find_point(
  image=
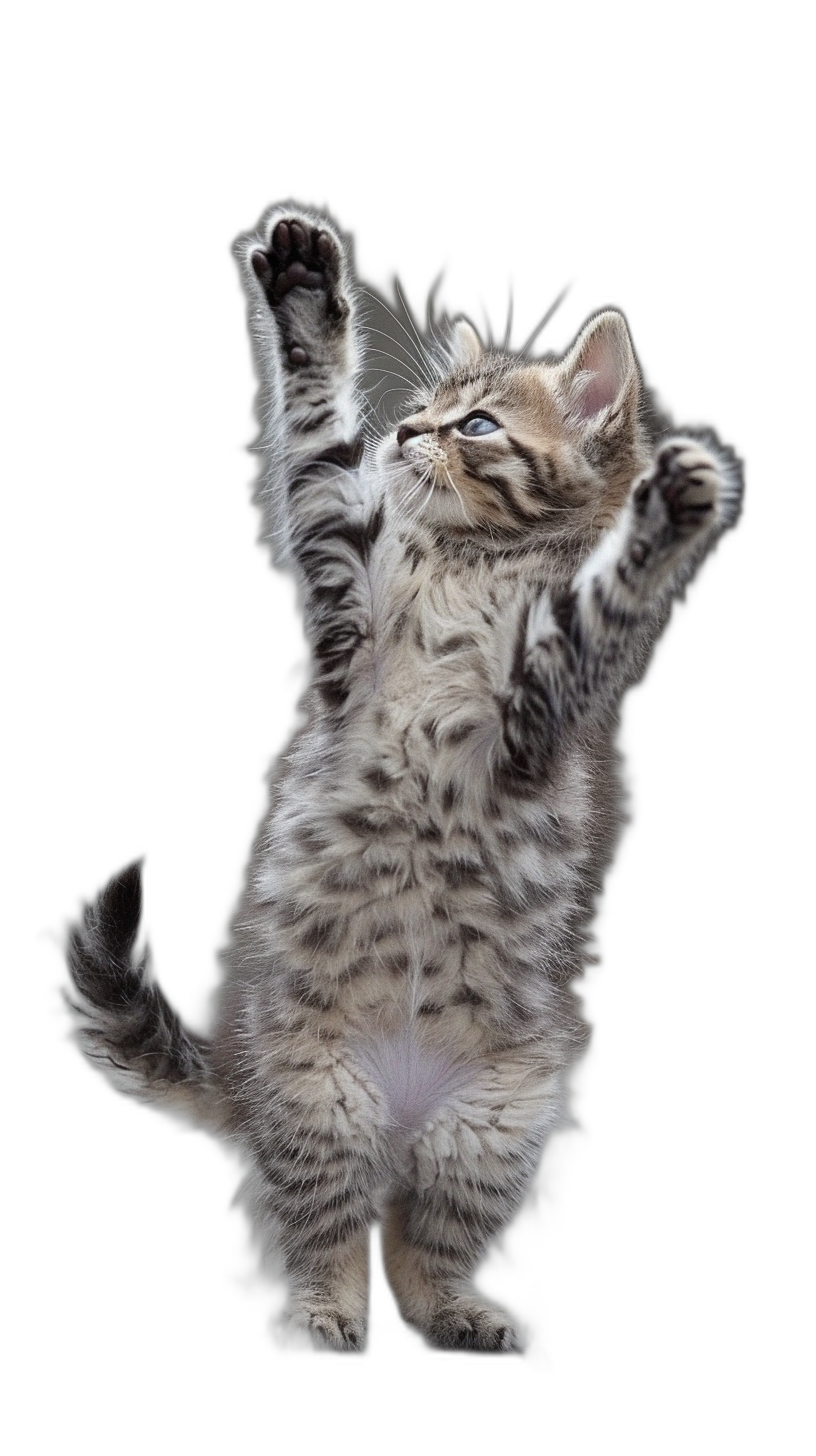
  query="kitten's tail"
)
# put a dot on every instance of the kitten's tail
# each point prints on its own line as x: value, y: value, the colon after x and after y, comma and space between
x: 124, y: 1023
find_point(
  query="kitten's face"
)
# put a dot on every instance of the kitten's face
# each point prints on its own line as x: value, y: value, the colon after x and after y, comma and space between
x: 503, y: 447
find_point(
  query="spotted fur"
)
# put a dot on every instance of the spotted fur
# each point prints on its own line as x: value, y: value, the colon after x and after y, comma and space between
x: 399, y: 1013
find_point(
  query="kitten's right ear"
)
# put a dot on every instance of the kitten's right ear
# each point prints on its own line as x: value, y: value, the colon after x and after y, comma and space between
x: 464, y: 344
x: 599, y: 379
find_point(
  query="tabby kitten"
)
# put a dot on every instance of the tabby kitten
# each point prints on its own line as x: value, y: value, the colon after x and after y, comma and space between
x: 398, y: 1014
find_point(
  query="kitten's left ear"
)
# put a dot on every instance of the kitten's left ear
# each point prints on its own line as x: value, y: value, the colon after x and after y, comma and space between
x: 465, y: 346
x: 599, y: 378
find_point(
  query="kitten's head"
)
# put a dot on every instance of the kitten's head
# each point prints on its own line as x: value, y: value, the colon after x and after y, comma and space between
x: 505, y: 448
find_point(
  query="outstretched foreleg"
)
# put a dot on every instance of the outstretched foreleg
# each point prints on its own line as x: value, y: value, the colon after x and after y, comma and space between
x: 581, y: 648
x: 322, y: 509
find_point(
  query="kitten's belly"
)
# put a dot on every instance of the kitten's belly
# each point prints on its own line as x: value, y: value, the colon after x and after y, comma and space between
x: 416, y: 900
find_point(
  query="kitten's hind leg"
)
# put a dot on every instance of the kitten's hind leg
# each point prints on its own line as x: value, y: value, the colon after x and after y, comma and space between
x: 330, y: 1291
x: 314, y: 1194
x: 472, y: 1166
x: 432, y: 1281
x: 312, y: 1211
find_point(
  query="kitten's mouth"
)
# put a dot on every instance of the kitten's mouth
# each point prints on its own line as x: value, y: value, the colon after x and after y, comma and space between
x: 429, y: 473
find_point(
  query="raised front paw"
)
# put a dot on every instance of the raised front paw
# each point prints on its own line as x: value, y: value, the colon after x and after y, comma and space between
x: 689, y: 491
x: 300, y: 256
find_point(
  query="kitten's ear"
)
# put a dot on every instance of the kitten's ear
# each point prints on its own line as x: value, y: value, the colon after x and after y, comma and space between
x: 464, y: 344
x: 599, y: 378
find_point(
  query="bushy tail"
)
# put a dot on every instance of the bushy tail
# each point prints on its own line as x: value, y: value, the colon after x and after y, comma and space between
x: 124, y: 1022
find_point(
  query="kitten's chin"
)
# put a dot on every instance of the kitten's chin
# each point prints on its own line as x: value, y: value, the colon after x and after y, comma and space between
x: 445, y: 507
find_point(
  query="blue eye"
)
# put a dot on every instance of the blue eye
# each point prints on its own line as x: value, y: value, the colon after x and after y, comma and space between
x: 478, y: 425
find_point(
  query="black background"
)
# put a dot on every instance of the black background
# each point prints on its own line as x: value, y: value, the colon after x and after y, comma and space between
x: 161, y: 660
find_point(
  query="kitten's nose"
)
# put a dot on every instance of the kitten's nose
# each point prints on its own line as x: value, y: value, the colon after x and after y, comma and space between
x: 405, y: 432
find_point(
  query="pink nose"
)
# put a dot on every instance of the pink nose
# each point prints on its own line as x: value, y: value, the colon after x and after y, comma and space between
x: 405, y: 432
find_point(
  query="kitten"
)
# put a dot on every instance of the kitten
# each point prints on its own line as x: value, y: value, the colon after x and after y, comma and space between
x: 398, y: 1014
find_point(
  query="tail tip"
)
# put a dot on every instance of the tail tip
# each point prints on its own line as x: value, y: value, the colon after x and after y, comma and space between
x: 118, y: 910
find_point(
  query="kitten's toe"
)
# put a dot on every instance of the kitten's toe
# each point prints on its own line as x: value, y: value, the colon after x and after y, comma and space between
x: 332, y: 1330
x: 687, y: 489
x: 468, y: 1325
x: 298, y: 255
x: 689, y: 483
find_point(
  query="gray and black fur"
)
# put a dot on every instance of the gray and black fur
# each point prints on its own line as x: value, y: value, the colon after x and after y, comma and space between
x: 479, y: 588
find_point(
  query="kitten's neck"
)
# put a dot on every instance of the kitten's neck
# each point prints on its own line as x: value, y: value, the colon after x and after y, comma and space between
x: 551, y: 559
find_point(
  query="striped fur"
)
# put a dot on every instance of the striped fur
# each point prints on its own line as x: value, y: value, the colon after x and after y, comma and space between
x: 479, y: 589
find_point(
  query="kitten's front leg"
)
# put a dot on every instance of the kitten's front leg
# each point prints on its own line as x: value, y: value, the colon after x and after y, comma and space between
x: 673, y: 518
x: 323, y: 511
x: 304, y: 278
x: 583, y: 647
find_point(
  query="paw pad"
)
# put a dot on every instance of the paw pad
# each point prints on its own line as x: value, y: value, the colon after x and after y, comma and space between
x: 686, y: 480
x: 299, y: 255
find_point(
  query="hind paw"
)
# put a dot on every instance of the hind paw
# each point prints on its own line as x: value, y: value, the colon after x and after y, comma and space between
x: 322, y: 1328
x: 467, y: 1324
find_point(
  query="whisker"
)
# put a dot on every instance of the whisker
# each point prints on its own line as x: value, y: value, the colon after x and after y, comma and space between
x: 439, y: 346
x: 422, y: 481
x: 411, y: 363
x: 395, y: 389
x: 430, y: 325
x: 409, y: 316
x: 546, y: 319
x: 391, y: 424
x: 396, y: 375
x: 509, y: 327
x: 431, y: 378
x: 489, y: 340
x: 409, y: 355
x: 465, y: 512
